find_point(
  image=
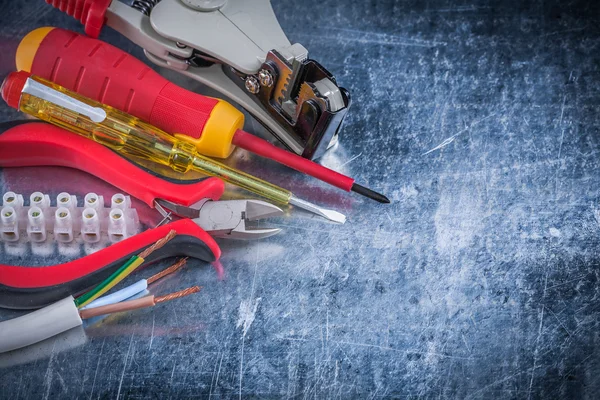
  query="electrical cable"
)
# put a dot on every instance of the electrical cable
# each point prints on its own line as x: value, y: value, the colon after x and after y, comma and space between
x: 109, y: 282
x: 64, y: 315
x: 144, y: 302
x: 122, y: 272
x: 135, y: 288
x: 119, y: 295
x: 39, y: 325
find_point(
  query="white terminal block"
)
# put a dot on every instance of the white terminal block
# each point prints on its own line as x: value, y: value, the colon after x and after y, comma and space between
x: 67, y: 201
x: 41, y: 223
x: 90, y: 225
x: 41, y: 200
x: 36, y: 226
x: 63, y: 225
x: 92, y: 200
x: 11, y: 199
x: 117, y: 225
x: 9, y: 224
x: 120, y: 201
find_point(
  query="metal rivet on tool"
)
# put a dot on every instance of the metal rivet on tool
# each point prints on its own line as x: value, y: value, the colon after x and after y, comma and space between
x: 266, y: 78
x: 180, y: 45
x: 252, y: 84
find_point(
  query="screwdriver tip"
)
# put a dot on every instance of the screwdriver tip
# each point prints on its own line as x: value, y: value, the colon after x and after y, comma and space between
x: 323, y: 212
x: 370, y: 193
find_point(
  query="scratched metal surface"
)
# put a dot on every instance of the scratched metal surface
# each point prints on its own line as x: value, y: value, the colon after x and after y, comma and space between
x: 480, y: 120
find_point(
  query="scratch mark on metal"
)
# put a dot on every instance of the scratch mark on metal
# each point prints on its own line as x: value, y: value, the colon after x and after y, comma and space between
x: 97, y: 367
x: 562, y: 136
x: 537, y: 340
x: 449, y: 140
x: 152, y: 333
x: 48, y: 376
x: 125, y: 366
x: 350, y: 160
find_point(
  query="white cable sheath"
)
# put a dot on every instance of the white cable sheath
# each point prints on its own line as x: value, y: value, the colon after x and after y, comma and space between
x: 39, y: 325
x: 119, y: 295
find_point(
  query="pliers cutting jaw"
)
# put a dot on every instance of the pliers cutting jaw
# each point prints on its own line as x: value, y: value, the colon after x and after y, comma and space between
x: 225, y: 219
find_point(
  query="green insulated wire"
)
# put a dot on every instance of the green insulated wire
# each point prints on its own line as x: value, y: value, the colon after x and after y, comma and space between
x: 115, y: 277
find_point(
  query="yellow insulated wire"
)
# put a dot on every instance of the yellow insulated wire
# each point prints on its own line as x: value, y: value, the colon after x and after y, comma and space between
x: 122, y: 275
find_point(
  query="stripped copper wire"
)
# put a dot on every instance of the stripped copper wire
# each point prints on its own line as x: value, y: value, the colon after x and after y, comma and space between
x: 177, y: 295
x: 167, y: 271
x: 160, y: 243
x: 147, y: 301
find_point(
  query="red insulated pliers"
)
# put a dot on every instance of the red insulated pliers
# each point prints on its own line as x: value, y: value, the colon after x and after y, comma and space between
x: 24, y: 143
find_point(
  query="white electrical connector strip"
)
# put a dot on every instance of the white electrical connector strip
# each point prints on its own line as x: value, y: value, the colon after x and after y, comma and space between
x: 40, y: 223
x: 119, y: 295
x: 39, y: 325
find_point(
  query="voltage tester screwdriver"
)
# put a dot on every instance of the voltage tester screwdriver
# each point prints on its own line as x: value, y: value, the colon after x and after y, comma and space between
x: 107, y: 74
x: 130, y: 136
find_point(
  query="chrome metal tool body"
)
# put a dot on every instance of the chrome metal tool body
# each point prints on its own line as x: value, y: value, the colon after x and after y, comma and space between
x: 224, y: 218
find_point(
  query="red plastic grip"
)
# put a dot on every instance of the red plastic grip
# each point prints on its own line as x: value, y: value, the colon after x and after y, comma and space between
x: 107, y: 74
x: 91, y: 13
x: 41, y: 144
x: 263, y: 148
x: 33, y: 277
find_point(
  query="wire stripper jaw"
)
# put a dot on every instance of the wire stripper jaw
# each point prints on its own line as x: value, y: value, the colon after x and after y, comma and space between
x: 226, y: 219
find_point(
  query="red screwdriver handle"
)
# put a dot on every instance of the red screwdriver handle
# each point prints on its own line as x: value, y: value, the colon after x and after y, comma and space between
x: 39, y: 144
x: 102, y: 72
x: 91, y: 13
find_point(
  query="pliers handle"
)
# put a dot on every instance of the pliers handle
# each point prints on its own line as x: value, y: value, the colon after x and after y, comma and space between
x: 31, y: 144
x: 39, y: 144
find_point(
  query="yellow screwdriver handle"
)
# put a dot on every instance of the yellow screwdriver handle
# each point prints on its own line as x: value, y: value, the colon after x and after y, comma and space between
x: 127, y: 134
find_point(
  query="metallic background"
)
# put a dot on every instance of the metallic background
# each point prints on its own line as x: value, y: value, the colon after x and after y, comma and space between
x: 480, y: 120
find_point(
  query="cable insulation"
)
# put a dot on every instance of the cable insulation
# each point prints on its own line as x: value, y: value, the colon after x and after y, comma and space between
x: 119, y: 295
x: 143, y: 302
x: 110, y: 282
x: 39, y: 325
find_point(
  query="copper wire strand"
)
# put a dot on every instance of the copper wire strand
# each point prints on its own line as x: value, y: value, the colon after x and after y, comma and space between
x: 143, y: 302
x: 167, y: 271
x: 160, y: 243
x: 177, y: 295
